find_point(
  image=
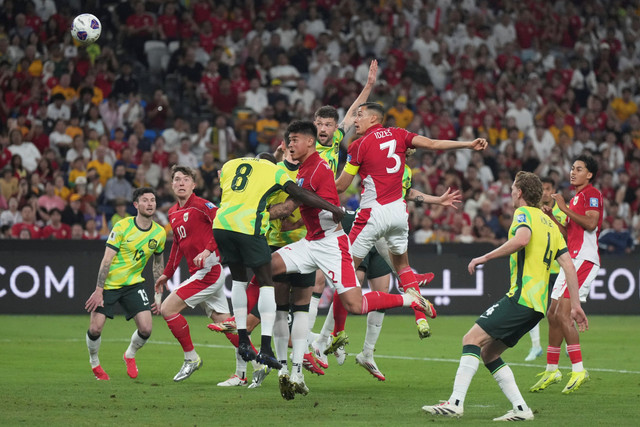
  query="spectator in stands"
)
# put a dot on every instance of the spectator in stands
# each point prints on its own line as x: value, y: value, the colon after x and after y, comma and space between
x: 78, y: 149
x: 173, y: 135
x: 48, y: 201
x: 59, y: 138
x: 617, y: 239
x: 151, y: 171
x: 56, y: 229
x: 57, y: 109
x: 131, y: 111
x: 8, y: 183
x: 91, y: 231
x: 120, y: 211
x: 27, y: 152
x: 158, y: 111
x: 401, y: 112
x: 77, y: 232
x: 11, y: 215
x: 118, y: 187
x: 524, y: 118
x: 28, y: 222
x: 127, y: 160
x: 99, y: 163
x: 185, y: 156
x: 72, y: 213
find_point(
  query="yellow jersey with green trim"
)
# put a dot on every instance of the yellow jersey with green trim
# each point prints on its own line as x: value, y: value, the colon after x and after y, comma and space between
x: 331, y: 153
x: 247, y: 183
x: 561, y: 217
x: 406, y: 180
x: 275, y: 235
x: 134, y: 247
x: 530, y: 266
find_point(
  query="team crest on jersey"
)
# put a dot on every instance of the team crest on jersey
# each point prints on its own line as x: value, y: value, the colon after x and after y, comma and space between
x: 209, y: 205
x: 153, y: 244
x: 185, y: 217
x: 300, y: 182
x: 575, y: 201
x: 521, y: 218
x: 593, y: 202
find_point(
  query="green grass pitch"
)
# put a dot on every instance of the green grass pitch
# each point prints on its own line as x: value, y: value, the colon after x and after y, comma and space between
x: 45, y: 378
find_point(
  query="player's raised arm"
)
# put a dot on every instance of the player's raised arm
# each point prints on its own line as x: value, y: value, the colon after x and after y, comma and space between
x: 349, y: 117
x: 96, y: 299
x: 313, y: 200
x: 419, y: 141
x: 448, y: 198
x: 519, y: 241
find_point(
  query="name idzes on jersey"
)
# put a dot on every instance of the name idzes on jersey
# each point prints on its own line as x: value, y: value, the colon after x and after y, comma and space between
x: 382, y: 134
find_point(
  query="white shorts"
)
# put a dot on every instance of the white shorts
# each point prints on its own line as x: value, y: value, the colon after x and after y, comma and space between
x: 587, y: 272
x: 330, y: 255
x: 390, y: 222
x: 205, y: 288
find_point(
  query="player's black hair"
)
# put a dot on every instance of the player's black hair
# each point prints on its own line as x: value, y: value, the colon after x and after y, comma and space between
x: 143, y: 190
x: 304, y: 127
x: 326, y: 112
x: 548, y: 180
x: 590, y: 163
x: 375, y: 107
x: 267, y: 156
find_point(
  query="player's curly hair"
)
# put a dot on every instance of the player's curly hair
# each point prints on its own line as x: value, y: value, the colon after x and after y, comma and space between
x: 531, y: 187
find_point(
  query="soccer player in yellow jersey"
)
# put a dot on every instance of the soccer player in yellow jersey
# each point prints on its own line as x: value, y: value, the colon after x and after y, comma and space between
x: 131, y: 243
x: 240, y: 227
x: 534, y: 242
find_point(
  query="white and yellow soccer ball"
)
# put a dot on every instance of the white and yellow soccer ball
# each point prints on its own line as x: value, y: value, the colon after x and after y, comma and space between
x: 86, y: 28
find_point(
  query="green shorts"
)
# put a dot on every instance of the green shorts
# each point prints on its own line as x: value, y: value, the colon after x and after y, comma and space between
x: 296, y: 280
x: 374, y: 265
x: 133, y: 299
x: 508, y: 321
x: 237, y: 248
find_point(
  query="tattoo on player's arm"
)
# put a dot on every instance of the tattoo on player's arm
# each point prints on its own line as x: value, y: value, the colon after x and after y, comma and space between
x: 102, y: 275
x: 158, y: 266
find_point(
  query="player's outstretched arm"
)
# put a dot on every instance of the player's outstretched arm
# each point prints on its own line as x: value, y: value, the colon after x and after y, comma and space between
x: 349, y: 117
x: 313, y: 200
x: 284, y: 209
x: 419, y: 141
x: 448, y: 198
x: 517, y: 242
x: 577, y: 314
x: 344, y: 181
x: 96, y: 299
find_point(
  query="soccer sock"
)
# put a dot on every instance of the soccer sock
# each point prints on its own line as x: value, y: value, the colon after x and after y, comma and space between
x: 408, y: 280
x: 253, y: 293
x: 374, y: 326
x: 233, y: 338
x: 267, y: 308
x: 299, y: 337
x: 241, y: 366
x: 575, y: 355
x: 534, y: 333
x: 137, y: 341
x: 373, y: 301
x: 239, y: 303
x: 93, y: 344
x: 553, y: 358
x: 339, y: 314
x: 281, y: 334
x: 313, y: 311
x: 327, y: 328
x: 180, y: 329
x: 507, y: 382
x: 468, y: 367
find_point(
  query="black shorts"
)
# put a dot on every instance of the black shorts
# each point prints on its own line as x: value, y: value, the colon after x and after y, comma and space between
x: 508, y: 321
x: 374, y: 265
x: 133, y: 299
x: 237, y: 248
x: 295, y: 280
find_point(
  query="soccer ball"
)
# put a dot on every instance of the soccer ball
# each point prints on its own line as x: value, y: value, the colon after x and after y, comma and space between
x: 86, y: 28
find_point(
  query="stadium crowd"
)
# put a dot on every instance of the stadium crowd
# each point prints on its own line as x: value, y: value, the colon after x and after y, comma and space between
x: 199, y: 82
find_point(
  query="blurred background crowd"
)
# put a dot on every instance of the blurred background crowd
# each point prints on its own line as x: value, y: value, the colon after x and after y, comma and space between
x: 197, y: 82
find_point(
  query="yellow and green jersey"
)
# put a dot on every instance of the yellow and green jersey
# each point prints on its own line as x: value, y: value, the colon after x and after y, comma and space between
x: 134, y: 246
x: 247, y: 184
x: 275, y: 235
x: 406, y: 180
x: 331, y: 153
x: 530, y: 265
x: 561, y: 217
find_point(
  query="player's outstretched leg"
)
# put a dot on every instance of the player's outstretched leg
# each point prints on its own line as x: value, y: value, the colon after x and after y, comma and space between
x: 93, y: 345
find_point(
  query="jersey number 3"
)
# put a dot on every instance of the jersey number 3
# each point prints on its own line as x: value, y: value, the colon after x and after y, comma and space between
x: 391, y: 147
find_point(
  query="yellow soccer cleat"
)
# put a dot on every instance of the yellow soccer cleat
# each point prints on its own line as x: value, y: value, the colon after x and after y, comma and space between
x: 576, y: 380
x: 548, y: 378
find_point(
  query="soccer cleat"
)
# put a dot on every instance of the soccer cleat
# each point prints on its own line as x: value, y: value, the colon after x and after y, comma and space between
x: 132, y: 369
x: 340, y: 355
x: 370, y: 365
x: 338, y: 341
x: 534, y: 353
x: 516, y: 415
x: 309, y: 363
x: 446, y: 409
x: 286, y: 388
x: 188, y: 368
x: 100, y: 373
x: 246, y: 352
x: 227, y: 325
x: 576, y: 380
x: 318, y: 353
x: 424, y: 330
x: 424, y: 279
x: 267, y: 358
x: 298, y: 385
x: 548, y: 378
x: 233, y: 381
x: 258, y: 376
x: 420, y: 303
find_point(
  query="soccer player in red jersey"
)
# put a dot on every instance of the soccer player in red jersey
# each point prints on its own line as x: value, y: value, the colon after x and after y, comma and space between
x: 191, y: 221
x: 584, y: 223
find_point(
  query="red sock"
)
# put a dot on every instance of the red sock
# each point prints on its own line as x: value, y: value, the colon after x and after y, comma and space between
x: 233, y: 338
x: 373, y: 301
x: 253, y: 292
x: 575, y: 354
x: 180, y: 329
x: 408, y: 280
x: 339, y: 314
x: 553, y: 355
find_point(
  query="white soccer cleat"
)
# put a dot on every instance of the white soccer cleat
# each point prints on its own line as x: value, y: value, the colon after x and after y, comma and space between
x: 318, y: 351
x: 234, y: 381
x: 287, y: 390
x: 370, y: 365
x: 340, y: 355
x: 534, y: 353
x: 516, y: 415
x: 188, y: 368
x: 298, y: 385
x: 259, y: 375
x: 445, y: 409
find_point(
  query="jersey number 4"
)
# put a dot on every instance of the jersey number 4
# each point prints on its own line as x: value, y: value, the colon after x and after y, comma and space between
x: 391, y: 154
x: 548, y: 253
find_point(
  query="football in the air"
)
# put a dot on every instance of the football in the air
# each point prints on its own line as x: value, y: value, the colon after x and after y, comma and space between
x: 86, y: 28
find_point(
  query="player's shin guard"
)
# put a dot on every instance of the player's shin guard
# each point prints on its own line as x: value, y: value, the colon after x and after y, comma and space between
x: 239, y: 302
x: 281, y: 334
x: 267, y: 308
x: 233, y: 338
x: 553, y: 358
x: 507, y: 382
x: 93, y: 345
x: 137, y: 341
x: 373, y: 301
x: 408, y: 280
x: 339, y: 314
x: 374, y: 326
x: 299, y: 331
x: 180, y: 329
x: 469, y: 362
x: 253, y: 293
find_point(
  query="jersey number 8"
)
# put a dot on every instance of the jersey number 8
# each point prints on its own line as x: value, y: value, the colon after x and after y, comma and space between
x: 239, y: 181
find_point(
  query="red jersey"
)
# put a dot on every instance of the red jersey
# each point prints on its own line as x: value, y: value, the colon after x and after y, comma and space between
x: 62, y: 233
x: 169, y: 25
x: 378, y: 157
x: 192, y: 226
x: 583, y: 244
x: 140, y: 21
x: 34, y: 230
x: 316, y: 176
